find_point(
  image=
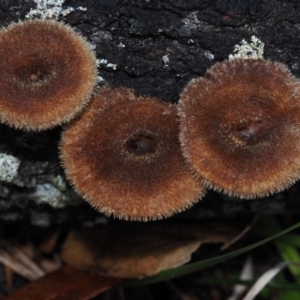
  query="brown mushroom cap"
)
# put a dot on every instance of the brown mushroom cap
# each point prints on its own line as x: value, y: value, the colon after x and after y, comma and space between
x: 48, y: 73
x: 240, y: 127
x: 123, y: 155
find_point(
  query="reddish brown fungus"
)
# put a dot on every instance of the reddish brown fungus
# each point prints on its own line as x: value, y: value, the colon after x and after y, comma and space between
x: 123, y: 155
x: 48, y: 73
x: 240, y: 127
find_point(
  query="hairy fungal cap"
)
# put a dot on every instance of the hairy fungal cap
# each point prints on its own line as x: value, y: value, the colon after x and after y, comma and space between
x: 141, y: 144
x: 48, y: 73
x: 123, y: 155
x: 239, y: 127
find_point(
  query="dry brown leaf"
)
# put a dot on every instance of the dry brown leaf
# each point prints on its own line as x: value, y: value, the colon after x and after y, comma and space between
x: 19, y: 262
x: 49, y: 242
x: 135, y: 250
x: 65, y: 284
x: 9, y: 277
x: 50, y: 265
x: 46, y: 264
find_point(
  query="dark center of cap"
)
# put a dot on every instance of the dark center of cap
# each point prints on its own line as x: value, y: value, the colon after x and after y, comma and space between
x: 36, y: 76
x: 33, y: 73
x: 251, y: 132
x: 246, y: 134
x: 141, y: 145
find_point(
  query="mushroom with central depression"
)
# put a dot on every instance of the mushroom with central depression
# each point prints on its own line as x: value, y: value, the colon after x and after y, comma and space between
x: 240, y: 127
x: 123, y: 155
x: 48, y: 73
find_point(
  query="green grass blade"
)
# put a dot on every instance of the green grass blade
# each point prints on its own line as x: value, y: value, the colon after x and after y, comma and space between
x: 290, y: 295
x: 197, y: 266
x: 233, y: 281
x: 291, y: 239
x: 286, y: 246
x: 289, y: 254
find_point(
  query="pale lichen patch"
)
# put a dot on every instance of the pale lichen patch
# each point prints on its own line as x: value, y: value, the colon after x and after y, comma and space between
x: 105, y: 62
x: 209, y: 55
x: 254, y: 49
x: 50, y: 9
x: 189, y: 25
x: 8, y: 167
x: 166, y: 60
x: 59, y: 183
x: 49, y: 194
x: 101, y: 80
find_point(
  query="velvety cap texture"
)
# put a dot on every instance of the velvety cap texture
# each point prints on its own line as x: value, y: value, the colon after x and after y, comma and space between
x: 123, y: 155
x: 240, y: 127
x: 48, y: 73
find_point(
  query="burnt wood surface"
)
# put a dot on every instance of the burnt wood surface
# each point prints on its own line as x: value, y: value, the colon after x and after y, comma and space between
x: 154, y: 47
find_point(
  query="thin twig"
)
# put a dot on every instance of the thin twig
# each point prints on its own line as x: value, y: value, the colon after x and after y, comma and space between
x: 239, y: 236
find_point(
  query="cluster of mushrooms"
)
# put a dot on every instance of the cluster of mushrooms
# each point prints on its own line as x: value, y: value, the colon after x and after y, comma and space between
x: 236, y: 130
